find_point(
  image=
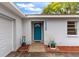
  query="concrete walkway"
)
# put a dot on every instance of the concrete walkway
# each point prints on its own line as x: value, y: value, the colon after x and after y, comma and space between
x: 37, y: 47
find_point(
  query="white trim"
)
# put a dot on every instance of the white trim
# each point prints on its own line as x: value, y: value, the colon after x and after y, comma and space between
x: 72, y: 36
x: 37, y: 40
x: 10, y: 6
x: 52, y: 16
x: 12, y: 35
x: 16, y: 7
x: 71, y: 28
x: 6, y: 17
x: 32, y: 29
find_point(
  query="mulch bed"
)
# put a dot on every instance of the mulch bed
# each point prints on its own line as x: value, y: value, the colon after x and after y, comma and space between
x: 62, y: 49
x: 48, y: 49
x: 23, y: 48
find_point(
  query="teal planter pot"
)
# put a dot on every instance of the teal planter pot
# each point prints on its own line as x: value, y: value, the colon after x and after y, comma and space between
x: 23, y: 41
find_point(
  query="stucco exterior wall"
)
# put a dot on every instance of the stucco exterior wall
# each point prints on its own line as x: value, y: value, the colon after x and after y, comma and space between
x: 54, y: 29
x: 27, y: 30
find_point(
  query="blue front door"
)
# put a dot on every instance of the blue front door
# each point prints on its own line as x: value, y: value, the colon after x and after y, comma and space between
x: 37, y: 31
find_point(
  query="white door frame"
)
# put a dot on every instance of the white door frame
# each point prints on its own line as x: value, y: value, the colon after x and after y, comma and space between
x: 42, y: 29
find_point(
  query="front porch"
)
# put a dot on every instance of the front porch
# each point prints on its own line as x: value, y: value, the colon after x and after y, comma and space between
x: 37, y: 49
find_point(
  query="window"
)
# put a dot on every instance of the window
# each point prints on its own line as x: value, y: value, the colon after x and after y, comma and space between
x: 71, y: 28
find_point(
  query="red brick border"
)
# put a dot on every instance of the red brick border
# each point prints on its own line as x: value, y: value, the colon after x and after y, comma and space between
x: 68, y: 48
x: 63, y: 49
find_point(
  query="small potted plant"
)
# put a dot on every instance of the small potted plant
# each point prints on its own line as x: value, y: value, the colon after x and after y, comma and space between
x: 52, y: 44
x: 23, y: 43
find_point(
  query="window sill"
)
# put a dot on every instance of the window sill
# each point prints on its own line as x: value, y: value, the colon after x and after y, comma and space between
x: 72, y: 36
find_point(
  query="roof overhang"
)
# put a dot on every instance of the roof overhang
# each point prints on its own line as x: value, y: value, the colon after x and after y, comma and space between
x: 52, y: 16
x: 11, y: 6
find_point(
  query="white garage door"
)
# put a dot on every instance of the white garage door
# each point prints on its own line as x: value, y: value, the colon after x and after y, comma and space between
x: 5, y: 36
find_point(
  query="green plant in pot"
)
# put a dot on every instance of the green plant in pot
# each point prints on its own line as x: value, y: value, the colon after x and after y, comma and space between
x: 52, y: 44
x: 23, y: 41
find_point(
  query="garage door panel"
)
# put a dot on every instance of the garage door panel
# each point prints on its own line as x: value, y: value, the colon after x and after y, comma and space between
x: 5, y: 36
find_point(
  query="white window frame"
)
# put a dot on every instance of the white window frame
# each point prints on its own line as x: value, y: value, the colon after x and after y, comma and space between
x: 75, y: 28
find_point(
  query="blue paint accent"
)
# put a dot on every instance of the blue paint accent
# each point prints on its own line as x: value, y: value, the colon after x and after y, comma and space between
x: 37, y: 31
